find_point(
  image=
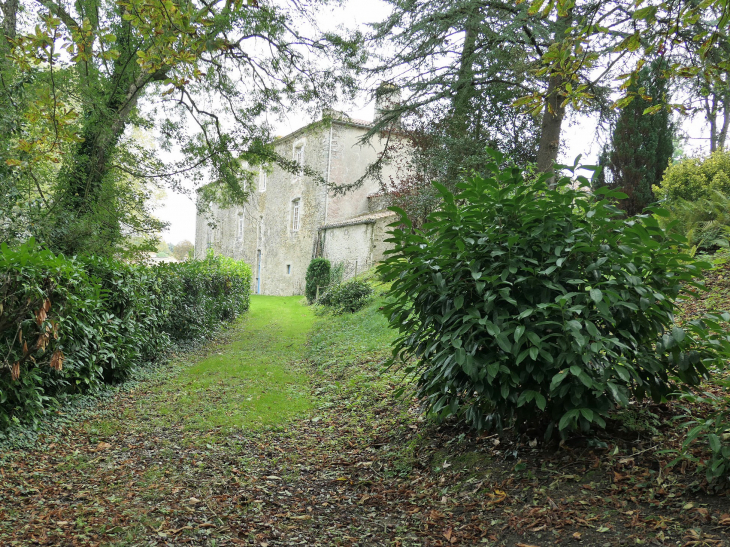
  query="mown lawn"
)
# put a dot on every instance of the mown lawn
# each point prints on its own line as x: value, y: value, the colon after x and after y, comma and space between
x: 286, y: 433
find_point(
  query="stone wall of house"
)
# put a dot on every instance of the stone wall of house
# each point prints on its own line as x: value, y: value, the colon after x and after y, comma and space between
x: 278, y: 254
x: 358, y: 242
x: 350, y: 160
x: 350, y: 243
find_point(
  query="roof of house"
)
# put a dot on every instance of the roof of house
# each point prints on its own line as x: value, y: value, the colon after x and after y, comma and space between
x: 367, y: 218
x: 352, y: 122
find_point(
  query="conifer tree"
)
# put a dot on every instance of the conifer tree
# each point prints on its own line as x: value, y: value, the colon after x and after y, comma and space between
x: 642, y: 143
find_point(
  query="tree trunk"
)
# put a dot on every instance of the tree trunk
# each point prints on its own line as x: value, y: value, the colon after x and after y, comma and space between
x: 554, y: 112
x: 10, y: 17
x: 464, y: 92
x: 465, y: 80
x: 725, y: 120
x: 552, y: 120
x: 711, y: 113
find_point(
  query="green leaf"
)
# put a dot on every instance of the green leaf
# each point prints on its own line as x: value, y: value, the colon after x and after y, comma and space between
x: 558, y: 379
x: 503, y: 342
x: 540, y: 401
x: 518, y: 333
x: 525, y: 313
x: 715, y: 443
x: 567, y: 418
x: 534, y: 338
x: 647, y: 13
x: 596, y: 295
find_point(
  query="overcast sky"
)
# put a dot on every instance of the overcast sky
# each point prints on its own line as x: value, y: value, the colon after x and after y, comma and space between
x: 578, y: 133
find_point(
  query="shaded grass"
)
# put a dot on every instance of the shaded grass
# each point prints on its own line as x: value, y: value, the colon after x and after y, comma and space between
x: 252, y: 381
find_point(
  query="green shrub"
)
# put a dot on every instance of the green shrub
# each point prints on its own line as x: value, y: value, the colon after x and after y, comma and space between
x: 695, y: 178
x: 72, y: 325
x: 318, y: 275
x: 705, y: 222
x: 349, y: 296
x: 517, y: 300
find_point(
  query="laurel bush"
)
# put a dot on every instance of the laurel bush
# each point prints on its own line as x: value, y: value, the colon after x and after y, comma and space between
x: 518, y: 300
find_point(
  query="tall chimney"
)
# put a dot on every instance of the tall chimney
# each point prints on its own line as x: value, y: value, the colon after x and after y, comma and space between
x: 387, y: 97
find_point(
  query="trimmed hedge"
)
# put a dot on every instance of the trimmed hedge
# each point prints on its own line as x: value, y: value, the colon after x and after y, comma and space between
x: 72, y: 325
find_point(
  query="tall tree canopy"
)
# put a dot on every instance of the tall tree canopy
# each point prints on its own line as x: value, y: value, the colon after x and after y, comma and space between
x: 473, y: 61
x: 76, y: 76
x: 474, y: 57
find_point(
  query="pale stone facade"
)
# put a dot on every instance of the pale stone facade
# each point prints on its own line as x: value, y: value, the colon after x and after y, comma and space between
x: 290, y: 219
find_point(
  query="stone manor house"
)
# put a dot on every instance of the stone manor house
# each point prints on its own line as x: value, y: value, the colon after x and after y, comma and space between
x: 290, y: 219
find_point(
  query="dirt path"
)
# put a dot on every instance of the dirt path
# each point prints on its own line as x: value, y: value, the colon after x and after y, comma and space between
x: 269, y: 442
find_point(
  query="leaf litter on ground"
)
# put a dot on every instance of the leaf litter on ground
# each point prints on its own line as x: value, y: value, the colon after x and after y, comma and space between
x: 342, y: 464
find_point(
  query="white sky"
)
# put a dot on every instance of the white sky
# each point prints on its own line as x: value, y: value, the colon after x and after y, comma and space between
x: 578, y: 132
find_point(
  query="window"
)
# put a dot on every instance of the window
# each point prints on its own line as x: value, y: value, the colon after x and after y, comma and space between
x: 299, y: 158
x: 288, y: 269
x: 262, y: 180
x: 240, y: 227
x: 295, y: 215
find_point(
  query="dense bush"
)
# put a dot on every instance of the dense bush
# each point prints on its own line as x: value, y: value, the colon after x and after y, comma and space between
x: 71, y: 325
x: 318, y: 275
x: 704, y: 222
x: 349, y: 296
x: 694, y: 178
x: 517, y: 300
x: 696, y: 193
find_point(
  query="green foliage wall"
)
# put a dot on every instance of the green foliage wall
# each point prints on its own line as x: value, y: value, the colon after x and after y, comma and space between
x: 517, y: 301
x: 72, y: 325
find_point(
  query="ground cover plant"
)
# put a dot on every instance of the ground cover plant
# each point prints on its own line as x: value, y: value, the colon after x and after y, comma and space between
x: 350, y: 466
x: 520, y: 301
x: 71, y: 326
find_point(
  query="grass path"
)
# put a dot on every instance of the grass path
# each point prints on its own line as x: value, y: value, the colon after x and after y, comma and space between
x: 284, y: 433
x: 248, y: 383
